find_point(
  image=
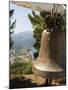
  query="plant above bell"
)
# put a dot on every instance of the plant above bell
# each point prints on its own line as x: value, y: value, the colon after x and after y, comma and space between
x: 53, y: 20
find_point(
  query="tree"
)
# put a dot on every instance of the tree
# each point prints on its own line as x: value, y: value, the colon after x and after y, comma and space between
x: 37, y: 23
x: 12, y: 23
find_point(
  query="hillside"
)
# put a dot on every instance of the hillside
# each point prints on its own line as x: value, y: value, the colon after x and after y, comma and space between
x: 23, y: 40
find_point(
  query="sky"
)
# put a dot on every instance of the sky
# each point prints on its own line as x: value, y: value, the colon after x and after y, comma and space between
x: 22, y: 21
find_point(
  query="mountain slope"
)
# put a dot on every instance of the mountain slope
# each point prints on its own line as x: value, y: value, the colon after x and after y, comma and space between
x: 23, y: 40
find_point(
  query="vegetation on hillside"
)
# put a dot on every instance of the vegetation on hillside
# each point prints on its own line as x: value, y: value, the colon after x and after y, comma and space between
x: 20, y: 67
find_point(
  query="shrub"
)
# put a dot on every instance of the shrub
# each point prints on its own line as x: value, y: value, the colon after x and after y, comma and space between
x: 21, y: 68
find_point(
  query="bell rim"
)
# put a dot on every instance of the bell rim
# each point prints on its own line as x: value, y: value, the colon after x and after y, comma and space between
x: 48, y: 74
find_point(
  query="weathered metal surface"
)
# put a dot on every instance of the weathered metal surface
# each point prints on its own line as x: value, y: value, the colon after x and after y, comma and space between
x: 46, y: 64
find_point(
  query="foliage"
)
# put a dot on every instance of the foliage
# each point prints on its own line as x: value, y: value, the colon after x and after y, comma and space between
x: 55, y: 21
x: 46, y: 20
x: 21, y: 68
x: 37, y: 23
x: 11, y: 27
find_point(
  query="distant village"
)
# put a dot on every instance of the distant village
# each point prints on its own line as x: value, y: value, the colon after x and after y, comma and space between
x: 22, y: 56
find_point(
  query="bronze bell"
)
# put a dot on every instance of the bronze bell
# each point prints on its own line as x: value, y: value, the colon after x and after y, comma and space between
x: 47, y: 65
